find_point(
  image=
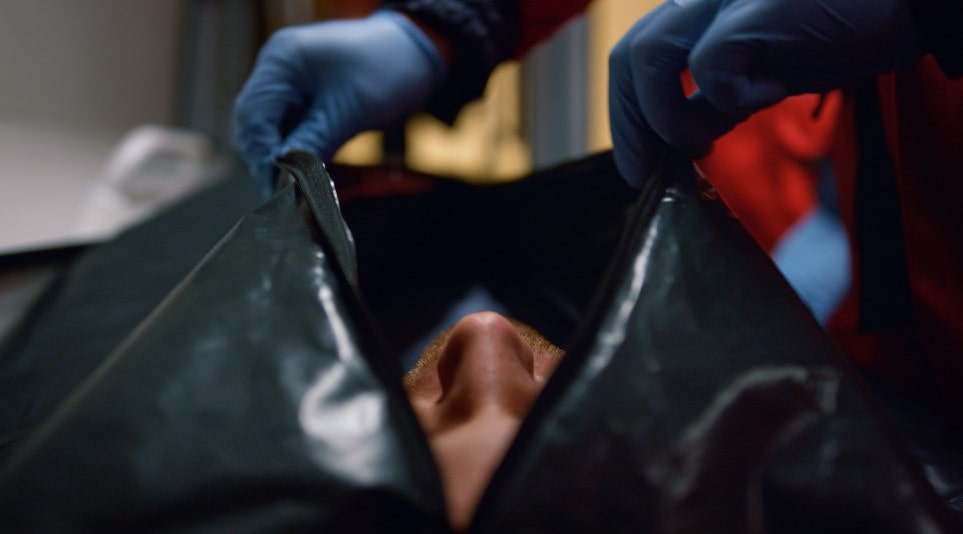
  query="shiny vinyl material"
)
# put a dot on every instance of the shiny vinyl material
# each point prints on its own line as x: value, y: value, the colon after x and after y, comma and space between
x: 263, y: 393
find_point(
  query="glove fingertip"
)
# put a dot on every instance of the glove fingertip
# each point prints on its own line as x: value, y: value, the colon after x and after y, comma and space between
x: 736, y: 93
x: 629, y: 166
x: 312, y: 138
x: 627, y: 125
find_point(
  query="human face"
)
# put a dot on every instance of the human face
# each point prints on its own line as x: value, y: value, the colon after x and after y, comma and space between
x: 470, y: 391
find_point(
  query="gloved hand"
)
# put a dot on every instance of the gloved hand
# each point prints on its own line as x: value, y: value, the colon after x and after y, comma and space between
x: 314, y: 87
x: 744, y: 55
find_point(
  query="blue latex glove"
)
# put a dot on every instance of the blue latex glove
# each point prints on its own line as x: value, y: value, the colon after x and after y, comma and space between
x: 314, y: 87
x: 744, y: 55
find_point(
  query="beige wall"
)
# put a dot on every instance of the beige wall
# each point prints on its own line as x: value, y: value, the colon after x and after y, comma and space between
x: 488, y: 139
x: 105, y: 65
x: 608, y: 22
x: 75, y: 76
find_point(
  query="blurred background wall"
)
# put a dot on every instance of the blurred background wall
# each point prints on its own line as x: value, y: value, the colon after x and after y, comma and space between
x: 549, y: 107
x: 75, y: 77
x: 103, y: 65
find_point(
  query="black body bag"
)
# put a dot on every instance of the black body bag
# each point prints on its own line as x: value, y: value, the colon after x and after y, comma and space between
x: 263, y: 394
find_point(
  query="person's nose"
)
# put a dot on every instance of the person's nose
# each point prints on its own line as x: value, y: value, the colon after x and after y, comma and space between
x: 486, y: 365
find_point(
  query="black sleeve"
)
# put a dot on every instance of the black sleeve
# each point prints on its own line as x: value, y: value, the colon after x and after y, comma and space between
x: 939, y: 22
x: 483, y: 33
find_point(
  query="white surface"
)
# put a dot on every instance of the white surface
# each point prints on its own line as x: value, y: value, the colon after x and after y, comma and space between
x: 106, y: 65
x: 46, y: 173
x: 75, y: 77
x: 62, y: 187
x: 151, y: 167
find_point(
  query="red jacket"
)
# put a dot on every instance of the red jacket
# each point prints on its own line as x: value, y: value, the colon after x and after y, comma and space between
x: 920, y: 334
x: 765, y: 168
x: 922, y: 114
x: 922, y: 117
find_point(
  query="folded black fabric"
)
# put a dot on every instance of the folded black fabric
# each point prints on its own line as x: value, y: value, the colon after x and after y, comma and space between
x: 102, y: 296
x: 253, y: 399
x: 698, y: 394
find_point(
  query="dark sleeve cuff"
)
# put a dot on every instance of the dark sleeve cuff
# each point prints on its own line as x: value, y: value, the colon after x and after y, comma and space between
x: 483, y: 33
x: 940, y: 25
